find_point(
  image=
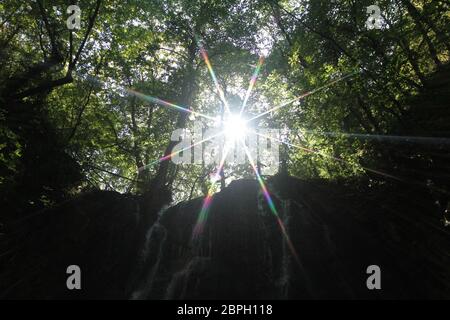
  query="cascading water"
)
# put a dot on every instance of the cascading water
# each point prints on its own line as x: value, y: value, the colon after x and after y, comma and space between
x: 238, y: 253
x: 242, y: 251
x: 306, y: 248
x: 150, y: 259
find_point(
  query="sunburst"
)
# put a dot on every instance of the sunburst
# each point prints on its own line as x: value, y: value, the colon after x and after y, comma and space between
x: 234, y: 127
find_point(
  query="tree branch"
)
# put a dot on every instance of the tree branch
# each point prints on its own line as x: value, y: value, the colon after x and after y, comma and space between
x: 45, y: 87
x: 108, y: 172
x: 86, y: 36
x: 56, y: 55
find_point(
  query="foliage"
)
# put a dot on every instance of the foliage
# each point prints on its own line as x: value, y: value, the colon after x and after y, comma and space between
x: 73, y: 87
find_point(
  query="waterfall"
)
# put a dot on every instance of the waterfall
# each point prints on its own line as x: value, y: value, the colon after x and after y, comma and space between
x: 277, y: 257
x: 187, y: 279
x: 150, y: 259
x: 286, y: 257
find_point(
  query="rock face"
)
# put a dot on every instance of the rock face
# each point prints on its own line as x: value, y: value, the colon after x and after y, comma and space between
x: 97, y: 232
x: 243, y: 253
x: 223, y: 262
x: 337, y: 231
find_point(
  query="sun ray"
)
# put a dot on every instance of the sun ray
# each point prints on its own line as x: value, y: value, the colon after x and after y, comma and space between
x: 304, y: 95
x: 380, y: 173
x: 271, y: 205
x: 203, y: 215
x: 205, y: 57
x: 169, y: 156
x: 252, y: 83
x: 151, y: 99
x: 393, y: 138
x: 327, y: 156
x: 167, y: 104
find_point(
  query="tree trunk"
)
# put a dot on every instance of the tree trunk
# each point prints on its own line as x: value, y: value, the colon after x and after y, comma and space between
x: 161, y: 179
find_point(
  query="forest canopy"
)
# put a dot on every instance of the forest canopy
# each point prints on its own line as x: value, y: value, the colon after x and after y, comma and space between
x: 94, y: 107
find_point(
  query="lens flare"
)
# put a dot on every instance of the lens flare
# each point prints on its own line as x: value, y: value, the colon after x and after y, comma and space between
x: 203, y: 215
x: 167, y: 104
x: 169, y: 156
x: 252, y: 83
x: 328, y: 156
x: 306, y: 94
x: 148, y: 98
x: 271, y: 205
x: 383, y: 137
x: 205, y: 57
x: 235, y: 127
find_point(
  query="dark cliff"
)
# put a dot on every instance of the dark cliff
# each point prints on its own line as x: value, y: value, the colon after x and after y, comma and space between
x: 337, y: 230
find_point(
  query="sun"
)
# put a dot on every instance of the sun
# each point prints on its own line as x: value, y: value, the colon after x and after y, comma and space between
x: 235, y: 127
